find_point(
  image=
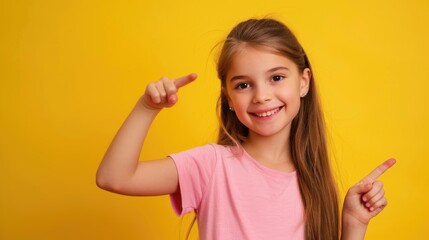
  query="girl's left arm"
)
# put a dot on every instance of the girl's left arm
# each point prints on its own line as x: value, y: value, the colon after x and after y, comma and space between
x: 364, y: 201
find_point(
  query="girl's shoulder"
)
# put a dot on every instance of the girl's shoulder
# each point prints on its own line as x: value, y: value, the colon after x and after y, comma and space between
x: 209, y: 153
x: 227, y: 151
x: 213, y: 148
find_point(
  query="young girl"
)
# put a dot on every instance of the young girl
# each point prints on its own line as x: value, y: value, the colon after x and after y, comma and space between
x: 268, y: 177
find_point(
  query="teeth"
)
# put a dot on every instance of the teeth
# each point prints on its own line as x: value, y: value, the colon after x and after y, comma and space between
x: 267, y: 114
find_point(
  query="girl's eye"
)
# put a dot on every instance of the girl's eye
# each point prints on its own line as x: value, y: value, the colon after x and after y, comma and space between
x: 242, y: 86
x: 276, y: 78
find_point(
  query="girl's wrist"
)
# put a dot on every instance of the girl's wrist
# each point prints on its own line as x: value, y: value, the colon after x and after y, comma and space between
x: 352, y: 228
x: 142, y: 105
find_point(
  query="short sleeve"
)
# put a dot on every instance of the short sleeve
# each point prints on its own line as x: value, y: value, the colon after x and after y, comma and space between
x: 195, y: 168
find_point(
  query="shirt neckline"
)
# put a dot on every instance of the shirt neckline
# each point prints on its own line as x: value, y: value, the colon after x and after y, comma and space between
x: 259, y: 166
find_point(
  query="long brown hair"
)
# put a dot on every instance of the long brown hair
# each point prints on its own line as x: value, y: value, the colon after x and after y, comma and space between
x: 307, y: 136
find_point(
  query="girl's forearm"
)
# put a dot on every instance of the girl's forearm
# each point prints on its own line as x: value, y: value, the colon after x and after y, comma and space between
x: 122, y: 156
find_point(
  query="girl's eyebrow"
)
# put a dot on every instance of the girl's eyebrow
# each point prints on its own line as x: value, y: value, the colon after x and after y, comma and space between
x: 278, y: 68
x: 238, y: 77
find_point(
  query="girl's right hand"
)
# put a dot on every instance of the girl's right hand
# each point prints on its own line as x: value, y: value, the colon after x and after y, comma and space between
x: 163, y: 93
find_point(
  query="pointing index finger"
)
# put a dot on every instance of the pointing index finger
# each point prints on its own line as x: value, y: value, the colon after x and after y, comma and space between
x: 378, y: 171
x: 183, y: 81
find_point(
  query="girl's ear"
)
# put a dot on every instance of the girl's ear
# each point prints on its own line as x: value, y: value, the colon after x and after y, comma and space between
x: 231, y: 106
x: 305, y: 82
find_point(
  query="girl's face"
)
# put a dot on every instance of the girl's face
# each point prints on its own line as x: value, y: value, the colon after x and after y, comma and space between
x: 264, y: 89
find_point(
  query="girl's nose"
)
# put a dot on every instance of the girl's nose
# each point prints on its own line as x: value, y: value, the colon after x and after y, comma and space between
x: 262, y: 94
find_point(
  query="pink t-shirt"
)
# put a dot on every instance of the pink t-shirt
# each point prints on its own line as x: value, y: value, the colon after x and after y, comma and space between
x: 235, y: 197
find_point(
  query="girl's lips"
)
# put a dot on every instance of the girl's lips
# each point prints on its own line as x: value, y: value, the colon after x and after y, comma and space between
x: 267, y: 113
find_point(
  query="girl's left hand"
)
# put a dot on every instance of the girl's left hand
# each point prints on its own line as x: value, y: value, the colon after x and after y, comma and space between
x: 366, y: 199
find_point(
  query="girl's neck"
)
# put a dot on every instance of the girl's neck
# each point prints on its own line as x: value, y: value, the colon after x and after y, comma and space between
x: 273, y: 151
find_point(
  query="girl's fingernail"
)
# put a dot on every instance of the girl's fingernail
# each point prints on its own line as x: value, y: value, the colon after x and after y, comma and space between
x: 173, y: 99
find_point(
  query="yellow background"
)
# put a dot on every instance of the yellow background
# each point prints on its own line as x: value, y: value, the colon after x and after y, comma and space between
x: 70, y: 72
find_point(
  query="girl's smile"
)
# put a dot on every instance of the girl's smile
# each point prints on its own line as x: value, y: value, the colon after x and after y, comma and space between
x: 264, y: 114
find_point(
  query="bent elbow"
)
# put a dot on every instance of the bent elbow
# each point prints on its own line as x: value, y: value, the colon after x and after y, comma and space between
x: 110, y: 184
x: 104, y: 182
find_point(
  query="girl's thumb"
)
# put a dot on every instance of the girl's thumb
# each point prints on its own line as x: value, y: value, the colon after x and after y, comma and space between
x: 364, y: 186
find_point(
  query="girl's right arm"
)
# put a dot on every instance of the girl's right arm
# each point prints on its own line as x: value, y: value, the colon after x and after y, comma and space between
x: 120, y: 170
